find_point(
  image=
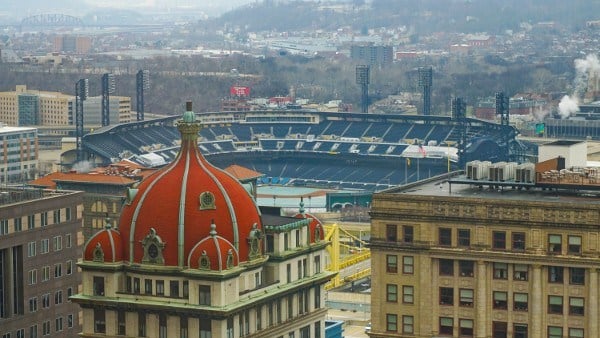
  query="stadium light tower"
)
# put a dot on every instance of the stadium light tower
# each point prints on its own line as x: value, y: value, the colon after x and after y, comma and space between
x: 459, y: 113
x: 108, y: 87
x: 425, y: 82
x: 362, y: 79
x: 81, y: 94
x: 502, y: 108
x: 142, y: 83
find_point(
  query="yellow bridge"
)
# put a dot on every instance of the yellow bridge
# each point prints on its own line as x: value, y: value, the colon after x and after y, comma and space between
x: 346, y: 253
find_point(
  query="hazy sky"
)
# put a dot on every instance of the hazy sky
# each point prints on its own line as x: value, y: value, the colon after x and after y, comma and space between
x: 22, y: 8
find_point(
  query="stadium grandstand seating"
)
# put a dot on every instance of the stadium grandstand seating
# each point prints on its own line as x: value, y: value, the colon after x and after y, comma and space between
x: 327, y: 149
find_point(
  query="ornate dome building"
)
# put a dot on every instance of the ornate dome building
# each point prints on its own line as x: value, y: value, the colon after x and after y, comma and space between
x: 192, y: 256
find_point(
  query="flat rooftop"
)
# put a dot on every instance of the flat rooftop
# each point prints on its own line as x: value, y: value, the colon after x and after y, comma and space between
x: 9, y: 195
x: 458, y: 186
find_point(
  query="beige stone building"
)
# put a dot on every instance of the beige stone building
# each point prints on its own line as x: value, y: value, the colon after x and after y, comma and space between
x: 481, y: 260
x: 26, y: 107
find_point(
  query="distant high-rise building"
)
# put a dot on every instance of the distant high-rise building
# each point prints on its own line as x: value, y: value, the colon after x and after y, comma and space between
x: 372, y: 54
x: 26, y: 107
x: 72, y: 44
x: 19, y: 156
x: 39, y: 247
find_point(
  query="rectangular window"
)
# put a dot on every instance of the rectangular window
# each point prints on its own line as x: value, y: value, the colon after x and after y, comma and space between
x: 31, y: 246
x: 44, y: 218
x: 446, y: 326
x: 466, y: 268
x: 555, y: 305
x: 32, y: 277
x: 575, y: 333
x: 33, y: 331
x: 520, y: 302
x: 500, y: 271
x: 464, y: 237
x: 446, y: 296
x: 445, y: 236
x: 45, y: 300
x: 577, y: 276
x: 391, y: 263
x: 30, y: 222
x: 408, y: 294
x: 99, y: 321
x: 160, y: 287
x: 69, y: 267
x: 317, y: 264
x: 520, y: 272
x: 466, y: 297
x: 391, y: 322
x: 58, y: 297
x: 206, y: 328
x: 518, y: 241
x: 68, y: 241
x: 204, y: 292
x: 391, y: 293
x: 499, y: 240
x: 98, y: 284
x: 500, y: 300
x: 69, y: 293
x: 465, y: 328
x: 391, y: 232
x: 408, y: 233
x: 408, y: 265
x: 137, y: 286
x: 45, y: 273
x: 58, y: 323
x: 57, y: 270
x: 57, y: 243
x: 45, y: 246
x: 68, y: 214
x: 576, y: 306
x: 121, y: 323
x: 148, y: 286
x: 555, y: 244
x: 174, y: 288
x: 446, y: 267
x: 520, y: 330
x: 499, y: 329
x: 317, y: 329
x: 3, y: 227
x: 69, y: 321
x: 556, y: 274
x: 46, y: 328
x: 162, y: 325
x: 33, y: 304
x: 56, y: 216
x: 18, y: 224
x: 555, y: 332
x: 288, y: 273
x: 408, y: 324
x: 574, y: 247
x: 142, y: 324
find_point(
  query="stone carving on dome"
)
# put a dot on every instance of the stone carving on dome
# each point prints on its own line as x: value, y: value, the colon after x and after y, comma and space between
x: 229, y: 259
x: 153, y: 248
x: 98, y: 255
x: 318, y: 233
x: 254, y: 238
x: 204, y: 261
x: 207, y: 201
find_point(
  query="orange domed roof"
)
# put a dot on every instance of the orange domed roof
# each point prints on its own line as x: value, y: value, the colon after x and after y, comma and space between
x: 213, y: 253
x: 104, y: 246
x: 173, y: 209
